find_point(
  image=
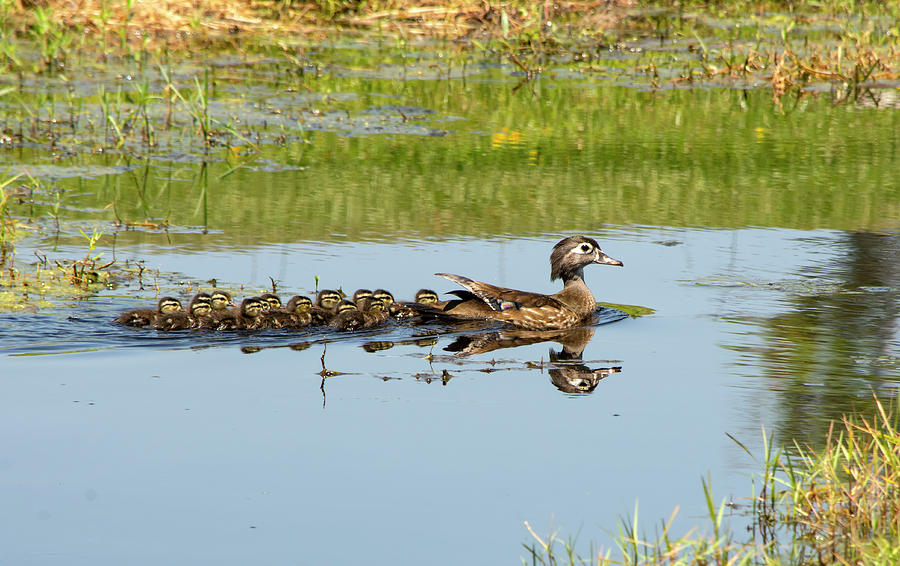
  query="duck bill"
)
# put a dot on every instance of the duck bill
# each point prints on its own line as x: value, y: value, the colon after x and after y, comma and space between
x: 604, y: 259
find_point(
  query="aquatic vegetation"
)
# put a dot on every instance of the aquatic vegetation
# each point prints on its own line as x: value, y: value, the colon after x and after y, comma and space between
x: 7, y: 223
x: 834, y: 505
x: 798, y: 48
x: 631, y: 310
x: 48, y: 283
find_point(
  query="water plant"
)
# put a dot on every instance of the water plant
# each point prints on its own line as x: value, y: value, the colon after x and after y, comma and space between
x: 52, y: 38
x: 7, y: 223
x: 80, y: 273
x: 839, y: 504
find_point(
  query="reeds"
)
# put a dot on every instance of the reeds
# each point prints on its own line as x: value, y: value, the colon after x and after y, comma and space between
x: 7, y: 222
x: 836, y: 505
x: 772, y: 43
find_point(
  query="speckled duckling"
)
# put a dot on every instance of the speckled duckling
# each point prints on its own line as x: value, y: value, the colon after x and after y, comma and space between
x: 425, y: 297
x: 246, y: 317
x: 199, y: 308
x: 347, y: 317
x: 326, y: 306
x: 221, y: 300
x: 140, y: 318
x: 272, y: 301
x: 294, y: 315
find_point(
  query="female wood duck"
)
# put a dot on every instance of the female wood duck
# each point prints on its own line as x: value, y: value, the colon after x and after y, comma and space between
x: 326, y: 306
x: 140, y: 318
x: 199, y: 309
x: 244, y: 318
x: 572, y: 306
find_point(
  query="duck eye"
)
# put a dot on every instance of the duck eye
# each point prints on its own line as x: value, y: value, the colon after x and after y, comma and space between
x: 585, y: 248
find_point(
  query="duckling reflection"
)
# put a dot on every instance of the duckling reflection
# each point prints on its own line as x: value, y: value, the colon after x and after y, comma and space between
x: 567, y: 371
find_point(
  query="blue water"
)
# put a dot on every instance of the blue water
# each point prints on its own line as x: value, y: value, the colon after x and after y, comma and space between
x: 129, y: 446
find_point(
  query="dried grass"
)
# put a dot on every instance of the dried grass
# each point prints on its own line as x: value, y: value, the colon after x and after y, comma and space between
x: 166, y: 18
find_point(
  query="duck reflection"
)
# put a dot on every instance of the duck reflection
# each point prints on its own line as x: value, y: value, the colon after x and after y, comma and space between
x: 567, y: 370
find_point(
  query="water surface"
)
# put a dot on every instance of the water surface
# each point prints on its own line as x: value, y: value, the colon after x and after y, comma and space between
x: 765, y: 242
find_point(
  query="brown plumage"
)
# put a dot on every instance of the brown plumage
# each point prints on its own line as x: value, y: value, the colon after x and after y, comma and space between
x: 423, y: 297
x: 140, y: 318
x: 572, y: 306
x: 244, y: 318
x: 350, y: 317
x: 360, y: 295
x: 391, y: 308
x: 271, y: 301
x: 326, y: 306
x: 220, y: 300
x: 426, y: 297
x: 347, y: 317
x: 376, y: 311
x: 294, y: 315
x: 199, y: 309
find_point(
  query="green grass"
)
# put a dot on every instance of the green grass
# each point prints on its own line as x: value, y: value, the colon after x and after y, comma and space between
x: 839, y: 504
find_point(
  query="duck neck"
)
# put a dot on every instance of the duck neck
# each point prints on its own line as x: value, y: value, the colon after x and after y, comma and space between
x: 575, y: 293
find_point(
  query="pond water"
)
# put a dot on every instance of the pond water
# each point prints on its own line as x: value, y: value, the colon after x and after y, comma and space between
x: 764, y: 240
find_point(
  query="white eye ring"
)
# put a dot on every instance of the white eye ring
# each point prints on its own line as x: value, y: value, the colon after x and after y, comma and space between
x: 584, y: 248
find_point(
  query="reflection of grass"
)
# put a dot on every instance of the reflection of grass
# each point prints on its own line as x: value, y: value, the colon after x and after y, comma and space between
x: 837, y: 505
x: 611, y: 156
x: 561, y: 156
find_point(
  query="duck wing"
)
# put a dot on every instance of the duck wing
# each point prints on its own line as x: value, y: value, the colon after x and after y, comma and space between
x: 502, y: 298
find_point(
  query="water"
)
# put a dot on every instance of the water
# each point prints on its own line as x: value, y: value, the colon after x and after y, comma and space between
x: 767, y: 255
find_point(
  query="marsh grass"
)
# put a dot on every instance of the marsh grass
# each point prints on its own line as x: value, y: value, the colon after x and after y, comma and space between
x: 7, y: 222
x: 839, y: 504
x: 854, y: 61
x: 778, y: 44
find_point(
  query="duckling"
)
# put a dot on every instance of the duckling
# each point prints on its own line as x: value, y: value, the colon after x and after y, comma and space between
x: 271, y: 300
x: 299, y: 306
x: 244, y: 318
x: 422, y: 297
x: 140, y: 318
x: 375, y: 312
x: 199, y: 308
x: 360, y: 295
x: 221, y: 300
x: 425, y: 297
x: 294, y: 315
x: 390, y: 306
x: 325, y: 307
x: 347, y: 317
